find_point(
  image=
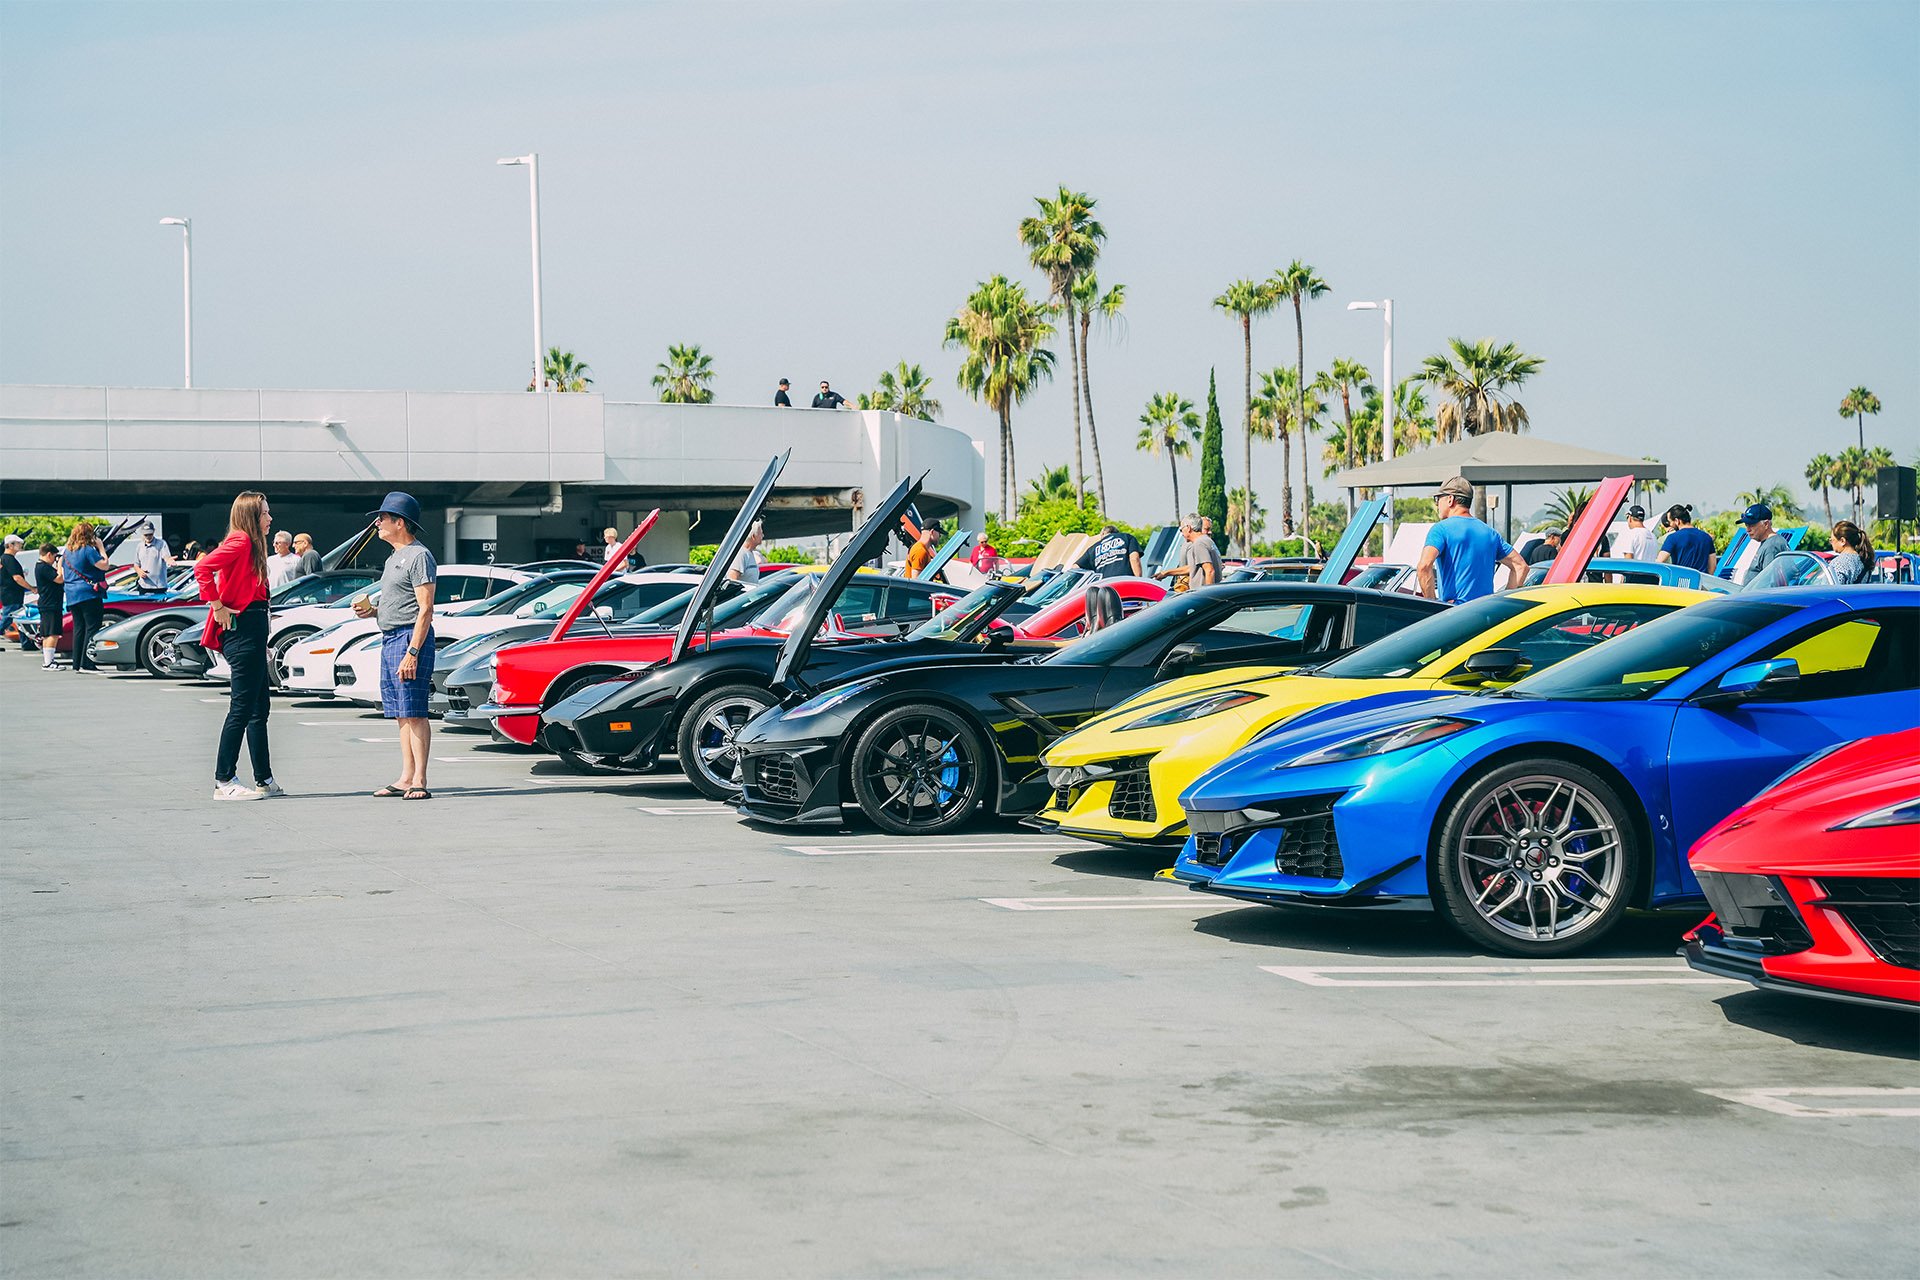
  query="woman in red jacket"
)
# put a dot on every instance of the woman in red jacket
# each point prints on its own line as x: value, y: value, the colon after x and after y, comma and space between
x: 233, y: 582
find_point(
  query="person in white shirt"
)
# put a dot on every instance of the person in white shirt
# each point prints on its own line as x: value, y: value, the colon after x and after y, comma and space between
x: 283, y: 566
x: 1638, y: 542
x: 746, y: 566
x: 610, y: 543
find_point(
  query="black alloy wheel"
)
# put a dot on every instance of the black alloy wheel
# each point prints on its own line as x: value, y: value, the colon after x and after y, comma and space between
x: 918, y: 771
x: 1537, y: 858
x: 156, y: 648
x: 708, y: 755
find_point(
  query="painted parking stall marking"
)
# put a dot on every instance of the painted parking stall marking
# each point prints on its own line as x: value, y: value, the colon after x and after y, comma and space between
x: 1862, y: 1101
x: 1495, y: 975
x: 682, y: 810
x: 1113, y: 902
x: 986, y: 844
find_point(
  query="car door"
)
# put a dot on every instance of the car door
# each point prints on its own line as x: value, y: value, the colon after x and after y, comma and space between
x: 1858, y: 675
x: 1280, y: 632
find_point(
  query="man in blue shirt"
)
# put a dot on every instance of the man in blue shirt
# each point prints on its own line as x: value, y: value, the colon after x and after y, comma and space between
x: 1458, y: 561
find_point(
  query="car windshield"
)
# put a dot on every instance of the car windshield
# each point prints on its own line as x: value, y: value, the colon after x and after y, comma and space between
x: 964, y: 618
x: 1054, y: 588
x: 1413, y: 647
x: 1375, y: 576
x: 525, y: 593
x: 1651, y: 656
x: 1111, y: 645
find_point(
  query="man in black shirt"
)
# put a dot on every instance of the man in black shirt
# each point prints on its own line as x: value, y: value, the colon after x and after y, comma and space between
x: 1111, y: 555
x: 13, y: 581
x: 1547, y: 548
x: 828, y: 397
x: 780, y: 397
x: 52, y: 604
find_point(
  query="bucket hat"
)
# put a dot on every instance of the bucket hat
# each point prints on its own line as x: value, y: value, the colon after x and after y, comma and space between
x: 402, y: 505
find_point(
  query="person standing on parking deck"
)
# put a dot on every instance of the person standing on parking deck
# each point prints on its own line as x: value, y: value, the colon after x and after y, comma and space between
x: 309, y: 558
x: 233, y: 582
x: 1461, y: 553
x: 83, y: 574
x: 13, y: 583
x: 52, y: 604
x: 1685, y: 545
x: 781, y: 400
x: 405, y: 614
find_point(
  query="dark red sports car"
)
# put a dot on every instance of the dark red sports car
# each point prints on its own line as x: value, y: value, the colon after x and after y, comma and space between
x: 1815, y: 882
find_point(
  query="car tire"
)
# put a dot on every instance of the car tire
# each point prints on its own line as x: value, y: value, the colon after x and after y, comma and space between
x: 918, y: 771
x: 277, y: 652
x: 1537, y: 858
x: 156, y: 648
x: 705, y: 737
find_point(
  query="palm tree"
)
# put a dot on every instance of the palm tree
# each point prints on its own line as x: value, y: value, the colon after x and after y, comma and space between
x: 1239, y: 526
x: 1169, y: 426
x: 1563, y: 506
x: 1063, y: 240
x: 1413, y: 424
x: 564, y: 372
x: 1343, y: 379
x: 1054, y: 482
x: 1275, y: 412
x: 1479, y: 379
x: 1776, y: 496
x: 1855, y: 468
x: 1247, y: 299
x: 1857, y: 404
x: 1297, y: 283
x: 1106, y: 307
x: 1648, y: 485
x: 1820, y: 475
x: 685, y: 376
x: 903, y: 389
x: 1000, y: 328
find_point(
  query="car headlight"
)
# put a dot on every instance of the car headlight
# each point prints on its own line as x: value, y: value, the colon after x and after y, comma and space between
x: 831, y: 698
x: 1401, y: 736
x: 1901, y: 813
x: 1193, y: 709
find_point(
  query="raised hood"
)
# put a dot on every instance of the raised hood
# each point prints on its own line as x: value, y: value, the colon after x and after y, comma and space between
x: 868, y: 541
x: 1347, y: 550
x: 944, y: 556
x: 607, y: 570
x: 723, y: 555
x: 1583, y: 539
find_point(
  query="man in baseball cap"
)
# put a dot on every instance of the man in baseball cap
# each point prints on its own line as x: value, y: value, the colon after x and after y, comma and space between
x: 1638, y: 542
x: 1461, y: 553
x: 1769, y: 542
x: 13, y: 584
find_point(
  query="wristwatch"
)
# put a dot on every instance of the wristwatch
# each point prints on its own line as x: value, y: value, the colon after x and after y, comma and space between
x: 412, y: 652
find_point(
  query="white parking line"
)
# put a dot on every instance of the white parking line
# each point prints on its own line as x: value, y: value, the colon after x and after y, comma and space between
x: 676, y: 811
x: 924, y: 846
x: 324, y: 724
x: 1503, y: 975
x: 1775, y: 1100
x: 1127, y: 902
x: 376, y: 739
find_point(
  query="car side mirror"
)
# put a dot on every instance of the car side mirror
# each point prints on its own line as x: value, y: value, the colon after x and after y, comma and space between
x: 604, y: 612
x: 1182, y: 655
x: 1495, y: 664
x: 999, y: 637
x: 1753, y: 682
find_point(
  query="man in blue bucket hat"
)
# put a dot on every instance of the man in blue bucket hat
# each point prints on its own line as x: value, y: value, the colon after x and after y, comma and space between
x: 405, y: 615
x: 1771, y: 543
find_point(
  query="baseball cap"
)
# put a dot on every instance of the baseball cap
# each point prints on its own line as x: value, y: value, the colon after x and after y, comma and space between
x: 1458, y: 487
x: 1756, y: 513
x: 1637, y: 512
x: 15, y: 540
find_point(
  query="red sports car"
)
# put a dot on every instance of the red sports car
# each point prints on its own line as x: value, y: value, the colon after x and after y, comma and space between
x: 1815, y: 883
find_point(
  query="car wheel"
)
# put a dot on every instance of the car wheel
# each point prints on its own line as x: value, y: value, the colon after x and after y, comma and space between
x: 1537, y: 858
x: 277, y: 653
x: 918, y: 771
x: 705, y: 741
x: 156, y: 648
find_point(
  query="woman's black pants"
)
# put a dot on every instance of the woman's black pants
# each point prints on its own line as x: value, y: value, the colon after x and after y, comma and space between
x: 250, y: 696
x: 87, y: 616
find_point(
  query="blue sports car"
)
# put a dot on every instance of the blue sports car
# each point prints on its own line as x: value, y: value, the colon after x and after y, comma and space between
x: 1533, y: 818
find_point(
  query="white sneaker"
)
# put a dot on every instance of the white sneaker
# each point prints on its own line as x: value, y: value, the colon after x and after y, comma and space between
x: 270, y: 789
x: 232, y: 790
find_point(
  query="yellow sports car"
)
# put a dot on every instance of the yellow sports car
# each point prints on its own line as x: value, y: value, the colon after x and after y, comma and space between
x: 1118, y: 778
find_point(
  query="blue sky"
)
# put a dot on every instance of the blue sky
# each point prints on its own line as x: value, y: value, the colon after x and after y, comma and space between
x: 1703, y: 216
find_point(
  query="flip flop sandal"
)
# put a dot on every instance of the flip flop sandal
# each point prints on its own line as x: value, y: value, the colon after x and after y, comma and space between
x: 417, y: 793
x: 390, y: 792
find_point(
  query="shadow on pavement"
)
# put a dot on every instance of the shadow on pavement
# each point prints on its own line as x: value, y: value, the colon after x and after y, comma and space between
x: 1826, y: 1024
x: 1119, y: 863
x: 1415, y: 933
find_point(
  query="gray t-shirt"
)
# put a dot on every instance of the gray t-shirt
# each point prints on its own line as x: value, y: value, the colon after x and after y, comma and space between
x: 309, y: 563
x: 1198, y: 552
x: 152, y: 559
x: 747, y: 565
x: 408, y: 567
x: 1772, y: 549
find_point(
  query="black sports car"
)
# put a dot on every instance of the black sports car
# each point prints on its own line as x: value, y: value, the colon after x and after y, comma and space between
x: 692, y: 704
x: 920, y: 747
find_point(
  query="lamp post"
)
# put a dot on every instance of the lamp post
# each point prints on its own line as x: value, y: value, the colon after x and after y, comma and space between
x: 532, y: 162
x: 186, y: 279
x: 1385, y: 306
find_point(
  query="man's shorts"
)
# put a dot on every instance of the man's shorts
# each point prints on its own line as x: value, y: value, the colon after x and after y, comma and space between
x: 404, y: 699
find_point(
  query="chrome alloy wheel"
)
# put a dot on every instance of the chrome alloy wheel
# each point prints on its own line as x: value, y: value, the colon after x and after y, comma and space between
x: 715, y: 751
x: 1540, y: 858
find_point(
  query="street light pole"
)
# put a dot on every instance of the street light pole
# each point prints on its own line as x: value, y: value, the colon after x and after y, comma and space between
x: 532, y: 162
x: 1385, y: 307
x: 186, y: 277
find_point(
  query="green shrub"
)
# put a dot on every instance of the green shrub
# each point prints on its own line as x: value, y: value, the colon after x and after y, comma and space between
x: 1040, y: 520
x: 37, y: 530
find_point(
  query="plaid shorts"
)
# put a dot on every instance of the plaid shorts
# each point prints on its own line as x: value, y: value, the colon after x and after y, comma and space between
x: 404, y: 699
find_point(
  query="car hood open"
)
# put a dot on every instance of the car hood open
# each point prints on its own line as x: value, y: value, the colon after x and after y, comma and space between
x: 866, y: 543
x: 724, y: 554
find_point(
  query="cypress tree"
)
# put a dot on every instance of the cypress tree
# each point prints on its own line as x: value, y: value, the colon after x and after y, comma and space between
x: 1212, y: 502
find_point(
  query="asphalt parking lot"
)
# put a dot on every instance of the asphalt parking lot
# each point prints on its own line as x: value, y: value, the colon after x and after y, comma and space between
x: 546, y: 1024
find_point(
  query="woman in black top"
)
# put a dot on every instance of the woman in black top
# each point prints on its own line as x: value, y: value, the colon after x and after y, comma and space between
x: 53, y: 602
